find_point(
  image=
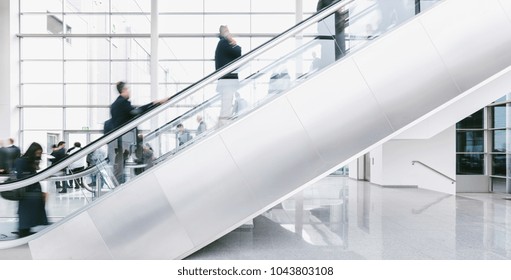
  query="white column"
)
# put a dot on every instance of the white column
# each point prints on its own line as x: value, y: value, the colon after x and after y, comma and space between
x: 154, y: 49
x: 299, y: 37
x: 154, y: 64
x: 299, y: 11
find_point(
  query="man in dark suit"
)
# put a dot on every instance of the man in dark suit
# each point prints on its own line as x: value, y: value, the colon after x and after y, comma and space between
x: 3, y: 162
x: 9, y: 154
x: 59, y: 153
x: 122, y: 112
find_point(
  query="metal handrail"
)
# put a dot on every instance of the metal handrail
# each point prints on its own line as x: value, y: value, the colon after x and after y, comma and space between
x: 151, y: 135
x: 162, y: 129
x: 176, y: 98
x: 87, y: 171
x: 434, y: 170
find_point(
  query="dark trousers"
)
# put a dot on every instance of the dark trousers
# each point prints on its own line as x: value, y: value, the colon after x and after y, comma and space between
x: 78, y: 181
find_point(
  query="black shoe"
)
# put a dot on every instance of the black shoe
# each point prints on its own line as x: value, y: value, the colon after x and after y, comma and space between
x: 63, y: 191
x: 24, y: 232
x: 77, y: 187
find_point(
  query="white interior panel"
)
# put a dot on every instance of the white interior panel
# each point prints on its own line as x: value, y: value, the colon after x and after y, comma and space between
x: 506, y: 5
x: 272, y: 151
x: 329, y: 113
x: 77, y: 239
x: 137, y: 222
x: 406, y: 74
x: 484, y: 52
x: 207, y: 178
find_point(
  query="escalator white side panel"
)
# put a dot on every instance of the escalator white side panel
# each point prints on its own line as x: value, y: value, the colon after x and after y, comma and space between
x: 78, y: 239
x: 227, y: 194
x: 406, y: 74
x: 506, y: 5
x: 470, y: 59
x: 144, y: 228
x: 272, y: 151
x: 345, y: 107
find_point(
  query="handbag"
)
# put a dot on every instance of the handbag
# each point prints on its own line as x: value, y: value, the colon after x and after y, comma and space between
x: 13, y: 195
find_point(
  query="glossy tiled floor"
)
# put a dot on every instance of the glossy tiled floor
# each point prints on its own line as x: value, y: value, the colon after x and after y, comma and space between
x: 339, y: 218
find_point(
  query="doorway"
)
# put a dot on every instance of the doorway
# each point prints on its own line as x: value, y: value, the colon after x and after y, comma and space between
x: 367, y: 167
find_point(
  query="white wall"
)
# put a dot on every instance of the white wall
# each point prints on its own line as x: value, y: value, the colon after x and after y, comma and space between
x: 8, y: 69
x: 356, y: 169
x: 472, y: 183
x: 376, y: 165
x: 393, y: 165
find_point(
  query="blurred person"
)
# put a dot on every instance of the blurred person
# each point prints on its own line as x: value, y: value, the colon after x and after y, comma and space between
x: 58, y: 154
x: 77, y: 165
x: 417, y: 6
x: 31, y: 207
x: 279, y: 81
x: 3, y: 159
x: 316, y: 62
x: 11, y: 153
x: 95, y: 159
x: 121, y: 112
x: 227, y: 50
x: 183, y: 135
x: 240, y: 105
x: 144, y: 155
x: 202, y: 125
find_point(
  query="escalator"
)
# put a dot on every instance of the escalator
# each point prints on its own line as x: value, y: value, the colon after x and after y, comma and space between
x: 297, y: 129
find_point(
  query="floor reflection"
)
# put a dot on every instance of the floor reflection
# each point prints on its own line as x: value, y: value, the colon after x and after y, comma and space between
x: 339, y: 218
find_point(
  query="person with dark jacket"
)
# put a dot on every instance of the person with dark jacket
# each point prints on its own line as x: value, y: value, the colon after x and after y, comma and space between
x: 226, y: 51
x: 121, y: 112
x: 3, y: 159
x: 144, y: 155
x: 58, y: 154
x: 31, y: 208
x: 9, y: 154
x: 182, y: 134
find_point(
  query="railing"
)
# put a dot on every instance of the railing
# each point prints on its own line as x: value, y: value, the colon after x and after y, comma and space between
x: 434, y: 170
x: 166, y: 127
x: 253, y: 63
x: 232, y: 67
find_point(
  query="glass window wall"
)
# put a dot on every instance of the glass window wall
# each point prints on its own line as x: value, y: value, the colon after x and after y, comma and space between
x: 499, y: 126
x: 470, y: 142
x: 472, y: 134
x: 75, y: 76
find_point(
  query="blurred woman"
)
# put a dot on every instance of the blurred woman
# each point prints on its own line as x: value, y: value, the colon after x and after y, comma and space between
x: 31, y: 209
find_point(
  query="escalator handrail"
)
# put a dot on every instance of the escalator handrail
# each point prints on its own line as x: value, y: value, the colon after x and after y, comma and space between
x: 151, y: 135
x: 162, y: 129
x: 109, y: 137
x: 93, y: 169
